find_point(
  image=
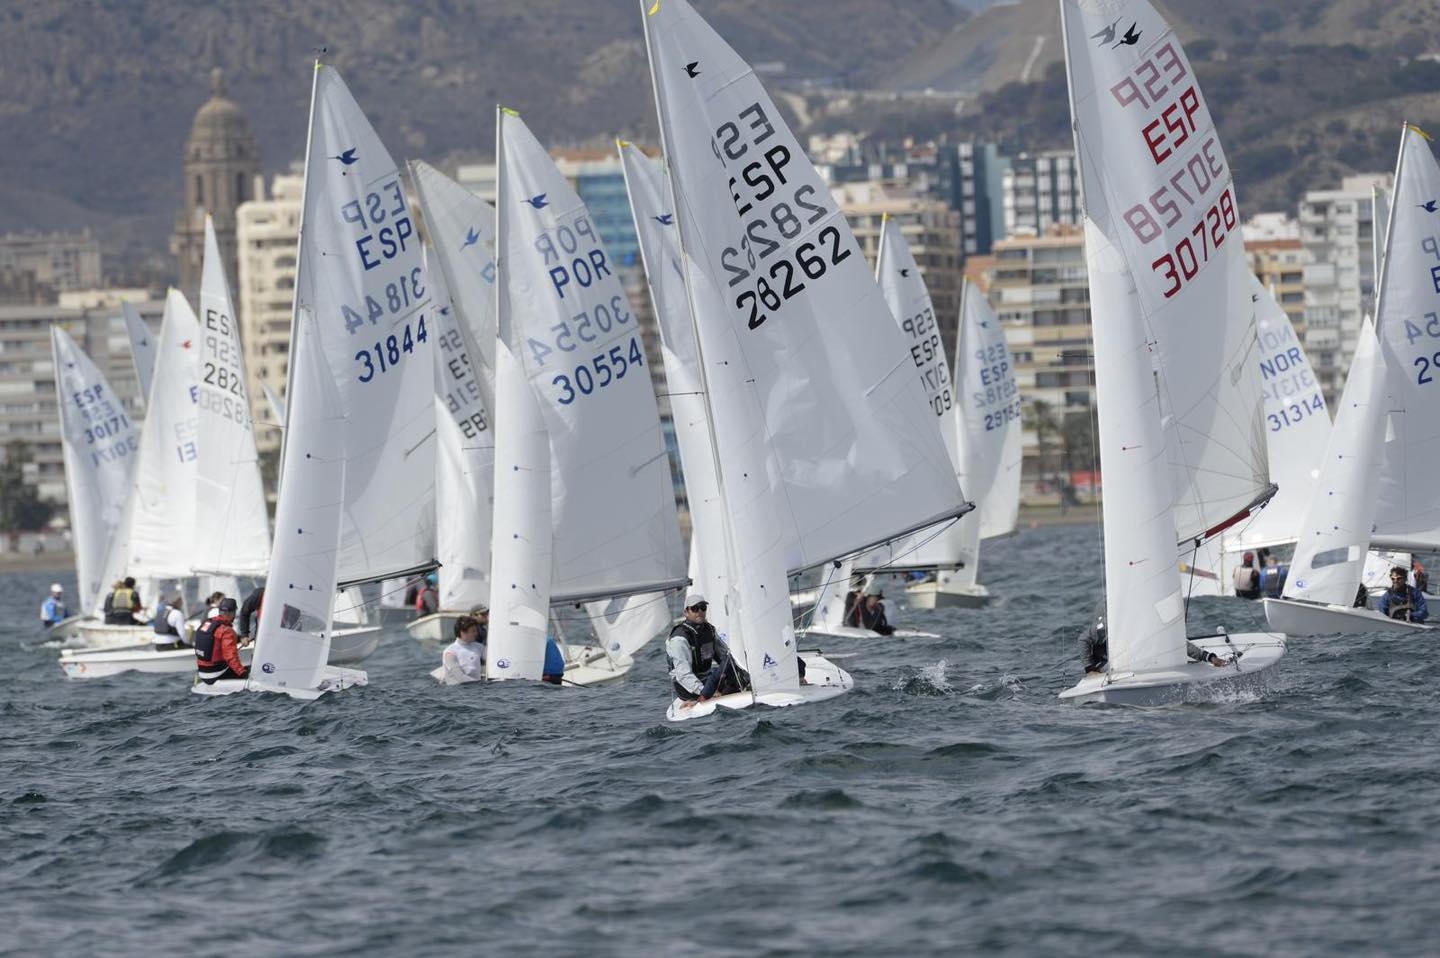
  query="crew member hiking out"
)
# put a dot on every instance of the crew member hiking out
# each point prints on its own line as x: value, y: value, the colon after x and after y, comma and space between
x: 217, y: 655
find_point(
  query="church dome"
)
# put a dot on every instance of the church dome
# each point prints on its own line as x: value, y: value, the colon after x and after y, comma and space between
x: 220, y: 118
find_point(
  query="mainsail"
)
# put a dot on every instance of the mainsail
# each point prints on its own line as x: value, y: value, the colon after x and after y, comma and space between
x: 142, y: 348
x: 1157, y: 184
x: 840, y: 409
x: 230, y: 498
x: 99, y: 443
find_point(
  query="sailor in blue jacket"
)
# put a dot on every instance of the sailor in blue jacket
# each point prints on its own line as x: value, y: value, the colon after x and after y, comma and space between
x: 52, y: 610
x: 1402, y: 601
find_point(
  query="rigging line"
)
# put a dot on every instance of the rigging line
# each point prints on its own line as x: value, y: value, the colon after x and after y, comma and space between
x: 916, y: 548
x: 819, y: 597
x: 663, y: 596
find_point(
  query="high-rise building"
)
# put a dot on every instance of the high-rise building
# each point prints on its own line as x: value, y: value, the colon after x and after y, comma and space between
x: 930, y: 227
x: 1040, y: 190
x: 1041, y: 293
x: 60, y: 261
x: 222, y: 165
x: 263, y: 289
x: 1337, y: 228
x: 971, y: 178
x: 1279, y: 264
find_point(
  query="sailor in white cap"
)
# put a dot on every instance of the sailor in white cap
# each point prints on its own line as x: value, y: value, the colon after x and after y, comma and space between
x: 699, y: 659
x: 52, y: 610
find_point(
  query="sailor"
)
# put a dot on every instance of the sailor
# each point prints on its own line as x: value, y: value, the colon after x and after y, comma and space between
x: 481, y: 614
x: 212, y: 604
x: 170, y: 625
x: 553, y: 670
x: 122, y: 604
x: 427, y: 600
x: 216, y: 654
x: 464, y: 659
x: 52, y: 610
x: 250, y: 613
x: 1402, y: 600
x: 1095, y: 641
x: 869, y: 612
x: 1247, y: 578
x: 700, y: 664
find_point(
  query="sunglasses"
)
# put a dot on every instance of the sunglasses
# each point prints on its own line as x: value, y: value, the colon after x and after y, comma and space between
x: 701, y: 607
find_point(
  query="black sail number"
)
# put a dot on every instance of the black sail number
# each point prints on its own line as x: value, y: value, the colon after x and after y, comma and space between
x: 812, y: 260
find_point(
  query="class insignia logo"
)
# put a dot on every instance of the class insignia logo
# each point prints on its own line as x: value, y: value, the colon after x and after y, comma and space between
x: 538, y: 201
x: 502, y: 663
x: 905, y: 272
x: 769, y: 663
x: 1107, y: 35
x: 1131, y: 37
x: 692, y: 69
x: 471, y: 238
x: 614, y: 646
x: 665, y: 219
x: 348, y: 158
x: 1428, y: 206
x: 268, y: 668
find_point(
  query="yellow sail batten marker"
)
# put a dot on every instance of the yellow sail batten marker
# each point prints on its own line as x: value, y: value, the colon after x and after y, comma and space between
x: 1420, y: 131
x: 621, y: 143
x: 506, y: 110
x: 655, y: 9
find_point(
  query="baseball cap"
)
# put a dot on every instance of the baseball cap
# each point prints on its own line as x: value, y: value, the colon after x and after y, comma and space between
x: 694, y: 599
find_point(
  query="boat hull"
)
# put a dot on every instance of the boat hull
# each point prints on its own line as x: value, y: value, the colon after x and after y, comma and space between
x: 929, y: 595
x: 68, y: 627
x: 95, y: 634
x: 850, y: 632
x: 332, y: 679
x: 103, y: 663
x: 1311, y: 618
x: 823, y: 680
x: 353, y: 644
x: 1193, y: 681
x: 435, y: 627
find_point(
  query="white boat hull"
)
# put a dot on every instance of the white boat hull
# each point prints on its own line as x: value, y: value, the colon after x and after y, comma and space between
x: 1193, y: 681
x: 823, y: 680
x: 1312, y: 618
x: 850, y: 632
x: 435, y: 627
x: 353, y: 644
x: 332, y: 679
x: 68, y: 627
x: 102, y: 663
x: 95, y: 634
x: 584, y: 665
x: 929, y: 595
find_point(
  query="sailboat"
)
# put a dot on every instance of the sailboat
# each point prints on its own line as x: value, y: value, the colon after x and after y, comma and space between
x: 978, y: 410
x: 142, y: 347
x: 234, y: 538
x: 357, y: 478
x: 98, y: 442
x: 1181, y: 442
x: 819, y: 446
x: 584, y: 507
x: 1377, y: 484
x: 1297, y: 429
x: 462, y: 232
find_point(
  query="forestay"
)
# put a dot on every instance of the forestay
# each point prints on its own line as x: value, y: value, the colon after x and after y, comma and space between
x: 158, y: 538
x: 1408, y: 323
x: 1157, y: 184
x: 142, y: 348
x: 832, y: 381
x: 99, y: 442
x: 1335, y: 529
x: 362, y: 280
x: 565, y: 316
x: 464, y: 464
x: 462, y: 233
x: 229, y: 495
x: 655, y: 227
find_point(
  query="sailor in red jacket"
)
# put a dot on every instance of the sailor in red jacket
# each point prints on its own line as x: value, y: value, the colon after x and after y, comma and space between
x: 217, y: 654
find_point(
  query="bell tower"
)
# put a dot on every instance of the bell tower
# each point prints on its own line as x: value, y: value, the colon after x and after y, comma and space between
x: 222, y: 162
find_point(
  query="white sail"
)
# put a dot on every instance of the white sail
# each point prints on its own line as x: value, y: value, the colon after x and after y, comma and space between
x: 1157, y: 184
x: 362, y: 280
x: 293, y: 637
x: 831, y: 379
x: 624, y: 624
x: 462, y: 231
x: 989, y: 416
x: 1408, y: 323
x: 1335, y: 530
x: 158, y: 538
x: 142, y: 347
x: 464, y: 464
x: 99, y: 443
x: 1297, y: 427
x: 829, y: 613
x: 521, y: 544
x: 565, y: 316
x: 230, y: 498
x: 655, y: 227
x: 908, y: 297
x: 276, y: 404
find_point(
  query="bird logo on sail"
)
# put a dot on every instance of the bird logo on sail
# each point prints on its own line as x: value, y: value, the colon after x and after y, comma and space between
x: 538, y: 201
x: 905, y: 272
x: 665, y: 219
x: 692, y: 69
x: 1131, y: 37
x: 348, y: 158
x: 471, y: 238
x: 1107, y: 35
x: 1428, y: 206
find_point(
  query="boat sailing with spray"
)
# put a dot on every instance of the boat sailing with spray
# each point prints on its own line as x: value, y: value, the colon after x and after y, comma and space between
x: 1181, y: 438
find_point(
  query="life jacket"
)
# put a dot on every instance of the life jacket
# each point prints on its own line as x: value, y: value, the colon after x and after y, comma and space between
x: 702, y: 647
x: 1422, y: 579
x: 1246, y: 579
x: 162, y: 623
x: 208, y: 655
